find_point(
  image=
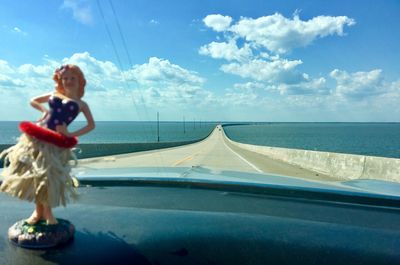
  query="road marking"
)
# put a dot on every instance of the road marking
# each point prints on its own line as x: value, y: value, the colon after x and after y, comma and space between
x: 241, y: 157
x: 186, y: 158
x: 183, y: 160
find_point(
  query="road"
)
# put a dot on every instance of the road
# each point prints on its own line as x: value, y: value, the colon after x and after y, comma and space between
x: 214, y: 152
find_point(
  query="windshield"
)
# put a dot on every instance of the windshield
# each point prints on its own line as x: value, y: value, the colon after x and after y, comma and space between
x: 244, y: 91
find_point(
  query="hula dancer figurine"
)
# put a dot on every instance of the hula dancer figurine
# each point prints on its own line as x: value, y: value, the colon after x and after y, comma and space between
x: 37, y: 167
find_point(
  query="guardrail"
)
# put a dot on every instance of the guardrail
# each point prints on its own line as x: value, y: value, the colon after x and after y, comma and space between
x: 338, y: 165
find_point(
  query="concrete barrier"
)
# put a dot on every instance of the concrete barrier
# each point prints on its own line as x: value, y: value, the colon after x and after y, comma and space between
x: 96, y: 150
x: 341, y: 166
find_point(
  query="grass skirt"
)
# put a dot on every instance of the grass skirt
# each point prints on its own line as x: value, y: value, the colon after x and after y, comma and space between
x: 38, y: 171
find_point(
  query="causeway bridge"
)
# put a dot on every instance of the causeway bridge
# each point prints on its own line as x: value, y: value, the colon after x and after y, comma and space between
x: 216, y: 152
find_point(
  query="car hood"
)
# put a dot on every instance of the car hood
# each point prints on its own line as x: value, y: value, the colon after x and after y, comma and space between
x: 214, y: 177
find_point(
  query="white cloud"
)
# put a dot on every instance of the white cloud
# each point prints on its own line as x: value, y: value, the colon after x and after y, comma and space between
x: 90, y: 64
x: 306, y: 87
x: 154, y: 22
x: 19, y: 31
x: 161, y: 71
x: 7, y: 82
x: 81, y: 11
x: 37, y: 79
x: 265, y: 39
x: 160, y: 84
x: 228, y: 51
x: 99, y: 74
x: 167, y: 85
x: 5, y: 67
x: 275, y: 80
x: 183, y: 96
x: 280, y: 35
x: 245, y: 98
x: 359, y: 84
x: 395, y: 86
x: 173, y: 90
x: 249, y: 86
x: 217, y: 22
x: 32, y: 70
x: 279, y: 70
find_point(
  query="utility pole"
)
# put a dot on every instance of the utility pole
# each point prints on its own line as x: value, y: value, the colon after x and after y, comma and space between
x: 158, y: 127
x: 184, y: 129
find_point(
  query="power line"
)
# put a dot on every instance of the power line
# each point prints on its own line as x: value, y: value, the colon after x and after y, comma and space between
x: 109, y: 34
x: 120, y: 65
x: 128, y: 55
x: 120, y: 33
x: 119, y: 60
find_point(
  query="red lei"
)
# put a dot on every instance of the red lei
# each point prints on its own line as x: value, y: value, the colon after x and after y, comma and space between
x: 47, y: 135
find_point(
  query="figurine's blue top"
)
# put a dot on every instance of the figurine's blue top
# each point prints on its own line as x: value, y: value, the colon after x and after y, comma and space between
x: 61, y: 111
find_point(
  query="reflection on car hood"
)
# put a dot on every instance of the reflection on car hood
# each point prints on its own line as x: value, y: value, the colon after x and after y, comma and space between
x: 214, y: 176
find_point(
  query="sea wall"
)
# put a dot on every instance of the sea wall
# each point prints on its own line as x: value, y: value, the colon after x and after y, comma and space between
x: 341, y: 166
x: 95, y: 150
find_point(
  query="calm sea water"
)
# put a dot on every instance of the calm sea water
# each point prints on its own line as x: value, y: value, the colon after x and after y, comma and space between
x: 125, y: 132
x: 376, y: 139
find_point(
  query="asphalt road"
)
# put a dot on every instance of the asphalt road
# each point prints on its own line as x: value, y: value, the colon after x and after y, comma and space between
x: 214, y: 152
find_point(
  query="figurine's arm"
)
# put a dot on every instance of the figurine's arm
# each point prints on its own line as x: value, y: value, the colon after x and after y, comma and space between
x: 36, y: 102
x: 90, y: 123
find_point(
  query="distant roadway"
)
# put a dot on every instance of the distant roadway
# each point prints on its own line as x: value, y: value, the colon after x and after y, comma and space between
x: 215, y: 152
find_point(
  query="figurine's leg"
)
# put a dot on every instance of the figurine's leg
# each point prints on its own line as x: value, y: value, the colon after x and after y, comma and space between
x: 48, y: 215
x: 36, y: 215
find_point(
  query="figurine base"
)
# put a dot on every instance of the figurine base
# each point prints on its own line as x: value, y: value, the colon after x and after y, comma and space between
x: 41, y: 235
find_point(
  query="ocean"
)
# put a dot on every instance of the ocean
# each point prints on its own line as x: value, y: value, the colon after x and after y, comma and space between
x: 109, y: 137
x: 124, y: 132
x: 372, y: 139
x: 117, y: 137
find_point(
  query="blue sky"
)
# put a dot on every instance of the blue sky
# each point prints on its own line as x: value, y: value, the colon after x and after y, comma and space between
x: 207, y: 60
